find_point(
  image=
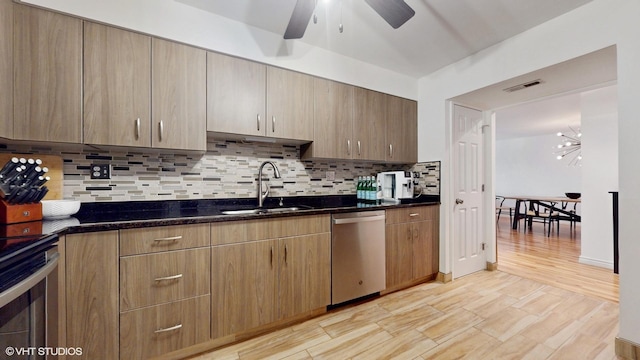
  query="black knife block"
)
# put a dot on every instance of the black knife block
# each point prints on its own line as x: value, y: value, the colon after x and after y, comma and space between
x: 18, y: 213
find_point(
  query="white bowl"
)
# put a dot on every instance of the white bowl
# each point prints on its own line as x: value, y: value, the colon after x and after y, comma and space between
x: 59, y: 209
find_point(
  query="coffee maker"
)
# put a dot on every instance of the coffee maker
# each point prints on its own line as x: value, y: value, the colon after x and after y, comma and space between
x: 395, y: 185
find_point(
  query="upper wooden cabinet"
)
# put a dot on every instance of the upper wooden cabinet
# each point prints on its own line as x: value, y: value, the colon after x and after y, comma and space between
x: 369, y: 125
x: 179, y: 88
x: 236, y: 95
x: 6, y: 68
x: 360, y: 124
x: 117, y: 86
x: 248, y: 98
x: 333, y: 121
x: 289, y: 104
x: 47, y: 96
x: 402, y: 130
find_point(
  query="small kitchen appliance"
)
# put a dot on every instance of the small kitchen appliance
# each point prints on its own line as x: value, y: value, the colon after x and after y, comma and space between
x: 395, y: 185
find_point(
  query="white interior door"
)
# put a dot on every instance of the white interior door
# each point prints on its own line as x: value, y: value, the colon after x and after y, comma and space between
x: 469, y: 254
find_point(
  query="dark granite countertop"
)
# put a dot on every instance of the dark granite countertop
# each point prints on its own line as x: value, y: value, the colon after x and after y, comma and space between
x: 134, y: 214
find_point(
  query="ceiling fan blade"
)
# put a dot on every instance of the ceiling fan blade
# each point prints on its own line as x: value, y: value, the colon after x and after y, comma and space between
x: 299, y: 19
x: 395, y: 12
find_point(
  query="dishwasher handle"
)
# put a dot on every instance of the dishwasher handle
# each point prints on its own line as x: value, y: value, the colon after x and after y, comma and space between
x: 358, y: 219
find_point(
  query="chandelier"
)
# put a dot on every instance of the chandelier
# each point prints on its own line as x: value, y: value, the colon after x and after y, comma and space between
x: 570, y: 147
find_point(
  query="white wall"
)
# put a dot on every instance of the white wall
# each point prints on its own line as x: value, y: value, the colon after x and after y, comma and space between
x: 600, y: 174
x: 528, y: 166
x: 176, y: 21
x: 594, y: 26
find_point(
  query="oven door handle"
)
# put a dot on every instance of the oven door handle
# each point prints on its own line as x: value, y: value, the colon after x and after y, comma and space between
x: 26, y: 284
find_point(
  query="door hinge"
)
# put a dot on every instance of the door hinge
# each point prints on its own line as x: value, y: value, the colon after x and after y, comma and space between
x: 483, y: 246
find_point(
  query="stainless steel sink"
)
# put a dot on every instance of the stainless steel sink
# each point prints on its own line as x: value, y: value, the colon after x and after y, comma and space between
x: 263, y: 211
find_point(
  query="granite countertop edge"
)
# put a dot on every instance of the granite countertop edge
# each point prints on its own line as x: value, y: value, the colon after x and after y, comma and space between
x: 87, y: 225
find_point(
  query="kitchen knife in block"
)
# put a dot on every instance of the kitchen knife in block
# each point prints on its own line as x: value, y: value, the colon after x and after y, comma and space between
x: 55, y: 165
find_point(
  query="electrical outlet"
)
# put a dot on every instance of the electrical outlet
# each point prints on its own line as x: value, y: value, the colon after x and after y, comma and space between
x: 100, y: 171
x: 330, y: 175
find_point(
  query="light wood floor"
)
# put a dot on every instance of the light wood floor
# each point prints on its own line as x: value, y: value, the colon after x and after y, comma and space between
x: 531, y: 312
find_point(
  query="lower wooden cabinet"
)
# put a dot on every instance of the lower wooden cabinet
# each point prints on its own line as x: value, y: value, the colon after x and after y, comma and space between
x: 271, y: 276
x: 156, y: 330
x: 243, y: 286
x: 91, y: 272
x: 304, y: 282
x: 411, y: 245
x: 128, y: 298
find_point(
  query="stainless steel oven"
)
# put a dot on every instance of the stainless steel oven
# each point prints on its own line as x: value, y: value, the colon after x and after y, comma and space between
x: 28, y: 301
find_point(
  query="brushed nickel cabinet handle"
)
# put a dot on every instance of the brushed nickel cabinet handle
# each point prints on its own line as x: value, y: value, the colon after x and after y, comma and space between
x: 166, y: 278
x: 258, y: 121
x: 358, y: 147
x: 390, y: 150
x: 413, y: 214
x: 172, y: 238
x: 348, y: 147
x: 168, y: 329
x: 161, y: 129
x: 285, y: 254
x: 137, y: 128
x: 271, y: 257
x: 273, y: 124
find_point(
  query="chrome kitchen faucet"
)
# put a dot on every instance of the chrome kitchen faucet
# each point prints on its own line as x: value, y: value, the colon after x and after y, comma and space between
x: 276, y: 174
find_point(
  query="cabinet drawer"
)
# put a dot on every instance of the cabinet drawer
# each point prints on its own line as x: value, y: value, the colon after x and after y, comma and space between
x: 160, y: 329
x: 411, y: 214
x: 163, y: 238
x: 241, y: 231
x: 160, y: 278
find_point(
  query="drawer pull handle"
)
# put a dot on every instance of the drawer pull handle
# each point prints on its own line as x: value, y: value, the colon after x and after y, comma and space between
x: 168, y: 329
x: 172, y: 238
x: 166, y: 278
x: 413, y: 214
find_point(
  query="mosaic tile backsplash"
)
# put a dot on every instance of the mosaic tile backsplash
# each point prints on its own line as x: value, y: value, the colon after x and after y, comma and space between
x: 228, y: 169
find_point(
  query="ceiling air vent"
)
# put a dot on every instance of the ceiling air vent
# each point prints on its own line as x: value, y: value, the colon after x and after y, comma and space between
x: 524, y: 85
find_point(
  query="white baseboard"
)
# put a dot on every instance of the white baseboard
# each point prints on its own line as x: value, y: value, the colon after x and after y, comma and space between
x: 595, y: 262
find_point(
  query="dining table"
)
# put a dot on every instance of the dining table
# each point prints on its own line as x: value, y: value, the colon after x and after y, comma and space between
x: 549, y: 202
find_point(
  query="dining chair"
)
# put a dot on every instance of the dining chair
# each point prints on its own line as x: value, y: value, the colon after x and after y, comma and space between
x: 546, y: 216
x: 571, y: 219
x: 500, y: 207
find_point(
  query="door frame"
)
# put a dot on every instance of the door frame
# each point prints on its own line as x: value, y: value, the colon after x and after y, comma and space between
x: 448, y: 193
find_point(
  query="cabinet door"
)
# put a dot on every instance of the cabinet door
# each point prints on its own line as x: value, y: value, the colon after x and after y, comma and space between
x: 305, y: 274
x: 117, y: 86
x: 243, y: 283
x: 399, y: 247
x: 6, y: 68
x: 289, y: 104
x: 178, y: 96
x: 92, y: 294
x: 402, y: 130
x: 369, y: 125
x: 423, y: 255
x: 333, y: 121
x: 47, y: 94
x: 235, y: 95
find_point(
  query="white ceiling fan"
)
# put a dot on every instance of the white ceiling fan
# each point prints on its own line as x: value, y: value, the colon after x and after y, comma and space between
x: 394, y: 12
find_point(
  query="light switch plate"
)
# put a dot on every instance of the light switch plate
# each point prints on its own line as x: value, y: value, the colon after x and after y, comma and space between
x: 100, y: 171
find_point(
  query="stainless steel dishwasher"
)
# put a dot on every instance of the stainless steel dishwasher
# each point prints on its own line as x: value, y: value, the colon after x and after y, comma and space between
x: 357, y: 255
